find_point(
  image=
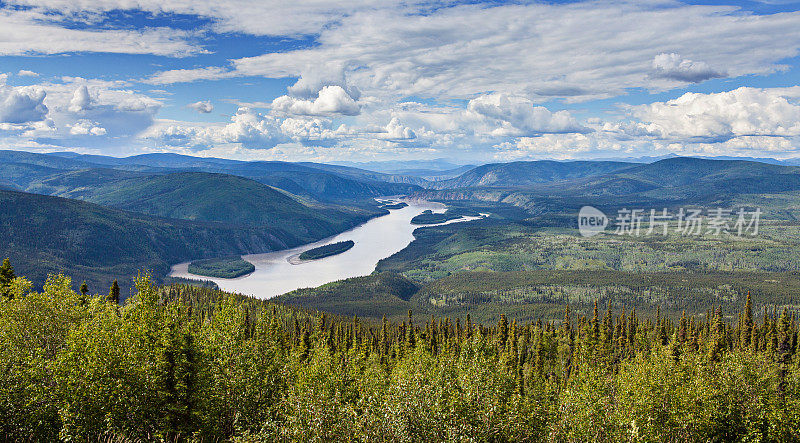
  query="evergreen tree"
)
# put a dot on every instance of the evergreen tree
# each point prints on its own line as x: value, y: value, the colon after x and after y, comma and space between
x: 412, y: 335
x: 113, y: 293
x: 6, y: 277
x: 747, y: 327
x: 502, y: 332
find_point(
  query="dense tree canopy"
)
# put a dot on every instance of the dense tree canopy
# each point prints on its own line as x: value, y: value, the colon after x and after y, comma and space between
x: 190, y: 363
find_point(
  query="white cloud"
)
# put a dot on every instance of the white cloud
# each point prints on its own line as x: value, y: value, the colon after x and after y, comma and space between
x: 81, y: 100
x: 26, y: 73
x: 578, y: 51
x: 724, y: 115
x: 517, y: 116
x: 19, y: 105
x: 268, y: 17
x: 331, y: 100
x: 32, y: 31
x: 247, y: 128
x: 252, y: 129
x: 188, y: 75
x: 312, y: 129
x: 672, y: 66
x: 203, y: 107
x: 396, y: 131
x: 483, y: 71
x: 66, y: 112
x: 86, y: 127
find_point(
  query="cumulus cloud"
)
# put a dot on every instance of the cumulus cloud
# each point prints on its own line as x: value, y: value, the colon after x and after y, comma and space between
x: 724, y: 115
x: 81, y: 100
x: 247, y: 127
x: 331, y: 100
x: 252, y: 129
x: 86, y: 127
x: 672, y: 66
x: 26, y: 73
x: 517, y: 116
x: 312, y: 129
x: 63, y: 113
x: 203, y: 107
x: 316, y: 77
x: 394, y: 130
x: 22, y: 104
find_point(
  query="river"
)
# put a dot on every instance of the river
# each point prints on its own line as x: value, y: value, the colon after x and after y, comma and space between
x: 374, y: 240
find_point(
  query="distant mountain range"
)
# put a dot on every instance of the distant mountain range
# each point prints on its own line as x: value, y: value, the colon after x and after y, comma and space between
x: 545, y: 186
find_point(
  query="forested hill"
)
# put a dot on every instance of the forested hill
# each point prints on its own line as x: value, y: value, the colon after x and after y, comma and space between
x: 322, y: 182
x: 45, y: 234
x: 577, y: 177
x: 546, y: 186
x: 201, y: 196
x: 527, y: 173
x: 185, y: 363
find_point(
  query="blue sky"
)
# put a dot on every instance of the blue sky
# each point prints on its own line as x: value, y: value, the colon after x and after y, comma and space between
x: 380, y: 80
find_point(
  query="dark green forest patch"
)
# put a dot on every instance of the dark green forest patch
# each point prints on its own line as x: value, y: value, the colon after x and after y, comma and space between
x: 225, y: 267
x: 327, y: 250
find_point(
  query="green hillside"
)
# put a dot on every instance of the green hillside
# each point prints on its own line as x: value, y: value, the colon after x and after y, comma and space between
x: 50, y: 235
x: 226, y: 199
x: 665, y: 183
x: 528, y: 173
x: 319, y: 181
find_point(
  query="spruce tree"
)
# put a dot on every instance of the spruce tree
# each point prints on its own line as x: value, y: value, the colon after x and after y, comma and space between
x: 502, y: 332
x: 6, y: 277
x: 784, y: 356
x: 412, y: 339
x: 113, y: 293
x: 747, y: 329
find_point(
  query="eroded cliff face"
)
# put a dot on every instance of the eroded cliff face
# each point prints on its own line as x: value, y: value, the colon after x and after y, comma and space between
x: 518, y: 199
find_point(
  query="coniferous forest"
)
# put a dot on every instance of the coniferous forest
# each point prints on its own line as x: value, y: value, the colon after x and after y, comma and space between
x: 178, y: 363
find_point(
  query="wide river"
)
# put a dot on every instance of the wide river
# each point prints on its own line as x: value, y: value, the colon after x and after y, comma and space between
x: 374, y: 240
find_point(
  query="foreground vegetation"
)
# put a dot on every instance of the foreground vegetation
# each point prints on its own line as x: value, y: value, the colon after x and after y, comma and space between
x: 327, y: 250
x: 225, y: 267
x: 191, y: 363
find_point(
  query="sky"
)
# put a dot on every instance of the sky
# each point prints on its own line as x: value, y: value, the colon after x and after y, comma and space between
x: 375, y: 80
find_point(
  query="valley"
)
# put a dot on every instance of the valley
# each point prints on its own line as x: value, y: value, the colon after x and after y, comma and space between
x: 150, y: 212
